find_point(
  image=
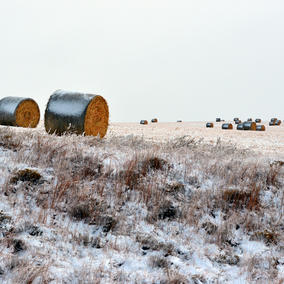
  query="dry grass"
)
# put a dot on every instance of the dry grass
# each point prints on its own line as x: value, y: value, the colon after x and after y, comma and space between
x: 185, y: 186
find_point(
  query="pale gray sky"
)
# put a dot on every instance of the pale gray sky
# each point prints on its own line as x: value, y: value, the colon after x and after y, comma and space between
x: 188, y: 60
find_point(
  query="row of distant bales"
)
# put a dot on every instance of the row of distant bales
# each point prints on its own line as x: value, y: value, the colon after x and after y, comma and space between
x: 66, y: 112
x: 246, y: 125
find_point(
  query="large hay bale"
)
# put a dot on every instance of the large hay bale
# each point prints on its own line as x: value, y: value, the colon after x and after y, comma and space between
x: 154, y: 120
x: 236, y: 118
x: 227, y: 126
x: 249, y: 125
x: 257, y: 120
x: 271, y: 123
x: 218, y: 119
x: 237, y: 121
x: 19, y: 111
x: 179, y: 121
x: 260, y: 127
x: 143, y: 122
x: 249, y: 119
x: 209, y: 125
x: 240, y: 126
x: 277, y: 122
x: 77, y: 113
x: 273, y: 119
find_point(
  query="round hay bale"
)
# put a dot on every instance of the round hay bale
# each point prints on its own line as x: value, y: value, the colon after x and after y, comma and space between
x: 271, y: 123
x: 273, y: 119
x: 79, y: 113
x: 218, y: 119
x: 237, y: 121
x: 143, y: 122
x: 249, y: 119
x: 240, y: 126
x: 257, y: 120
x: 277, y: 122
x: 179, y: 121
x: 19, y: 111
x: 260, y: 127
x: 209, y: 125
x: 227, y: 126
x: 249, y: 125
x: 154, y: 120
x: 236, y: 118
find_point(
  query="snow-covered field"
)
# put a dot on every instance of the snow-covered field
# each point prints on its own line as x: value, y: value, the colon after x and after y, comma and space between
x: 158, y: 203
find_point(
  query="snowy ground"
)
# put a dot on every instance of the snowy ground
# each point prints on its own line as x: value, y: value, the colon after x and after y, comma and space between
x: 158, y: 203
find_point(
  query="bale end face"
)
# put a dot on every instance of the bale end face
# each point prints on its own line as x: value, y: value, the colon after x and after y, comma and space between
x: 27, y: 114
x: 97, y: 117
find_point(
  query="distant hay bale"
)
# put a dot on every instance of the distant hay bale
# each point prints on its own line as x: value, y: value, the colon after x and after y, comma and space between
x: 277, y: 122
x: 258, y: 120
x: 272, y: 123
x: 154, y: 120
x: 218, y: 119
x: 249, y: 125
x: 260, y: 127
x: 19, y: 111
x: 209, y: 125
x: 227, y: 126
x: 79, y: 113
x: 179, y: 121
x: 249, y: 119
x: 236, y: 118
x: 240, y: 126
x: 238, y: 121
x: 143, y: 122
x: 273, y: 119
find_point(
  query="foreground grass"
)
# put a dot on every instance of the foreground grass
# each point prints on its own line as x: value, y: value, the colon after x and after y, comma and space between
x: 123, y: 210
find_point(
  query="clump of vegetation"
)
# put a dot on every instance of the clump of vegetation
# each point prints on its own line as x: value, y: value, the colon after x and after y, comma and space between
x: 167, y: 210
x: 156, y: 261
x: 156, y: 163
x: 240, y: 199
x: 266, y: 236
x: 227, y: 259
x: 209, y: 227
x: 29, y: 175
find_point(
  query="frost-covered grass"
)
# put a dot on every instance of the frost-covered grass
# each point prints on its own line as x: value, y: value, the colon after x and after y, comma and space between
x: 125, y: 210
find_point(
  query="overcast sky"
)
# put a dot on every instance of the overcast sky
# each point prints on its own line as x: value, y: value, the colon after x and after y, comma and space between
x: 188, y: 60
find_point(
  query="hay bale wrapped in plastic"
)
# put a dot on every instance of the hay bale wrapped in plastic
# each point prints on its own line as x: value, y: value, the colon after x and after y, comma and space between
x: 272, y: 123
x: 19, y: 111
x: 277, y: 122
x: 154, y: 120
x: 260, y: 127
x: 209, y: 125
x: 240, y: 126
x: 143, y: 121
x: 79, y: 113
x: 218, y: 119
x: 227, y: 126
x: 249, y: 125
x: 249, y: 119
x: 257, y: 120
x: 236, y: 118
x: 238, y: 121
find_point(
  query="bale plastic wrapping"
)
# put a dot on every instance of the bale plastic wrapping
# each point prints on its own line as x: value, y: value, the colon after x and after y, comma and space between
x: 209, y: 125
x: 143, y: 122
x: 77, y: 113
x: 240, y: 126
x: 19, y: 111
